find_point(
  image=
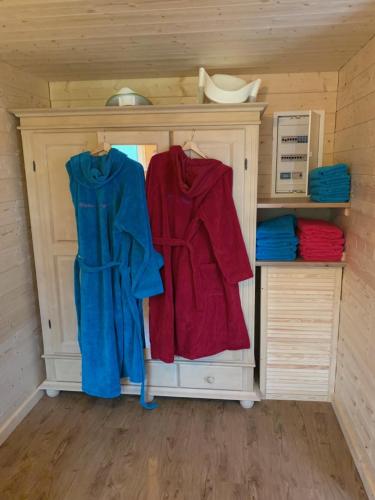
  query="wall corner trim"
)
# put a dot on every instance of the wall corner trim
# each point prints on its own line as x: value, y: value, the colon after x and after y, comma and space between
x: 351, y: 439
x: 19, y: 414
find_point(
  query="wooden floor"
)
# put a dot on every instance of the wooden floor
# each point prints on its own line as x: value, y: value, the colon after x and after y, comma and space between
x: 76, y: 448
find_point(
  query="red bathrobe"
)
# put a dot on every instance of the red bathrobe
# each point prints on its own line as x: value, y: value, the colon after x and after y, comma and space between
x: 195, y: 227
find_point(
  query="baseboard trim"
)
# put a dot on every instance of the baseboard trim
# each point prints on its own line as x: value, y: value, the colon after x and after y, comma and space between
x: 175, y: 392
x: 19, y: 414
x: 363, y: 467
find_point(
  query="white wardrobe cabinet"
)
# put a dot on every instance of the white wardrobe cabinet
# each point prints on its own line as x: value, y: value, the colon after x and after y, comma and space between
x: 50, y: 137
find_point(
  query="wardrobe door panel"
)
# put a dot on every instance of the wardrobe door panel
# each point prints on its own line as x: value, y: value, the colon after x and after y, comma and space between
x: 62, y: 218
x: 57, y: 234
x: 68, y: 370
x: 64, y: 268
x: 228, y: 146
x: 161, y: 374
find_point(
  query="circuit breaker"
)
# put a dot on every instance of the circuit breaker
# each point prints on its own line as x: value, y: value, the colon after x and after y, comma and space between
x: 297, y: 148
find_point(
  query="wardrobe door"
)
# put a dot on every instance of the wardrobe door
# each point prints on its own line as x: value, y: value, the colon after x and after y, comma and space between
x: 54, y: 229
x: 228, y: 146
x: 139, y: 145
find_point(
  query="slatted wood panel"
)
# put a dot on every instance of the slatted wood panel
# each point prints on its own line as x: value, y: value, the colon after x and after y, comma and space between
x: 355, y: 143
x: 89, y: 39
x: 299, y: 323
x: 282, y: 92
x: 21, y: 369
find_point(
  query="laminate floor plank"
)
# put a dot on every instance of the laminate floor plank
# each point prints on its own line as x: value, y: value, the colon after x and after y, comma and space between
x: 79, y: 448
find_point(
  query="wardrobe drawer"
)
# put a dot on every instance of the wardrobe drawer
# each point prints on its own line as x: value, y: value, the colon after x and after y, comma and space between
x: 161, y: 375
x: 199, y: 376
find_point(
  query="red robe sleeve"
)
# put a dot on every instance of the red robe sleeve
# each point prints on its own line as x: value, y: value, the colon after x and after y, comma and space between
x: 221, y: 221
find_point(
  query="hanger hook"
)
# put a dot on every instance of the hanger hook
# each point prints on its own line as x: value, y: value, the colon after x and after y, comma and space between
x: 192, y: 135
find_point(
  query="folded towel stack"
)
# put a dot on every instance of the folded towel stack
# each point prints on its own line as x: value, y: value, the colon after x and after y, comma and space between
x: 330, y: 184
x: 319, y: 240
x: 276, y: 239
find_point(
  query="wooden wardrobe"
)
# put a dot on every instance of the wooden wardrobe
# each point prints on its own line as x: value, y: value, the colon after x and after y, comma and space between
x: 229, y: 133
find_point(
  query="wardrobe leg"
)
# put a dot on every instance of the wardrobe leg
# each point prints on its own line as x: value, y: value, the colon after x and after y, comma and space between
x: 247, y: 404
x: 52, y: 393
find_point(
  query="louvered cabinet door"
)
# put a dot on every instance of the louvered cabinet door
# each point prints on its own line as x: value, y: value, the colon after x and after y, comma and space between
x: 299, y: 323
x: 54, y: 232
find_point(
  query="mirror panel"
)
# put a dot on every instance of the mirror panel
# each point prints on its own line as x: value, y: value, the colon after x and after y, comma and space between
x: 141, y: 153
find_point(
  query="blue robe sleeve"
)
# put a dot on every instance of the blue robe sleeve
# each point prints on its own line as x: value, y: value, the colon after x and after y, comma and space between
x: 133, y: 218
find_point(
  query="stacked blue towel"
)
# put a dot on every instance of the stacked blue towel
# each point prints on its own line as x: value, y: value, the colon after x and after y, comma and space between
x: 330, y: 184
x: 276, y: 239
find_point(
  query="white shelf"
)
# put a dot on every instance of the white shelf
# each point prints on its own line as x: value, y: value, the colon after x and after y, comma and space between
x: 297, y: 203
x: 298, y: 263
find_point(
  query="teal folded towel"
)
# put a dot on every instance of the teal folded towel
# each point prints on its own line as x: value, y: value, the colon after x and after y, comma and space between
x: 337, y: 181
x: 330, y: 184
x: 276, y: 239
x: 330, y: 198
x: 276, y: 255
x: 282, y: 227
x: 329, y: 172
x: 333, y: 191
x: 276, y: 243
x: 337, y: 186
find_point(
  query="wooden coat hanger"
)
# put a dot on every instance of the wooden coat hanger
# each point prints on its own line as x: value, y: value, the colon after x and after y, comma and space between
x: 192, y: 146
x: 102, y: 148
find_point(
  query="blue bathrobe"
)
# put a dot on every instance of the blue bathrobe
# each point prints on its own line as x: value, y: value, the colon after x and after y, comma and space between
x: 116, y: 267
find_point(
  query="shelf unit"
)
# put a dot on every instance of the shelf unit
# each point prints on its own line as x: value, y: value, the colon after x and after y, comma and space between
x: 298, y: 306
x: 296, y: 203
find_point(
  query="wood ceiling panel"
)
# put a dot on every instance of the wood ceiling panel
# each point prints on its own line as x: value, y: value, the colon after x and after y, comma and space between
x: 62, y: 40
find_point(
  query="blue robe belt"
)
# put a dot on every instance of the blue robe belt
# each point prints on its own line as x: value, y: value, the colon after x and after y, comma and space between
x: 94, y: 269
x: 179, y: 242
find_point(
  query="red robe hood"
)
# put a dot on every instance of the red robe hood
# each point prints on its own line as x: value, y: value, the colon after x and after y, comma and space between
x: 207, y: 173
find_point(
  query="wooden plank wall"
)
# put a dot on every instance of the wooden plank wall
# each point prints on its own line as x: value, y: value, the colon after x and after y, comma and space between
x: 355, y: 143
x: 283, y: 92
x: 21, y: 368
x: 77, y: 39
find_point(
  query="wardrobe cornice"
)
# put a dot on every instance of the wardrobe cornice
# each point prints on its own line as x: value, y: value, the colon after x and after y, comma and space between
x: 201, y: 115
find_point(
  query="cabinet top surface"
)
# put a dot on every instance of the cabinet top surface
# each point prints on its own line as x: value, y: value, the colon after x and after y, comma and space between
x: 123, y: 110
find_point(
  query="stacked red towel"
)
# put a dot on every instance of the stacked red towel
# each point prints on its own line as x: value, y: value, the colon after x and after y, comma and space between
x: 320, y: 240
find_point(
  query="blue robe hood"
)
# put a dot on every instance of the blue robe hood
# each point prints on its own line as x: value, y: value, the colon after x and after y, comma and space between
x: 95, y: 171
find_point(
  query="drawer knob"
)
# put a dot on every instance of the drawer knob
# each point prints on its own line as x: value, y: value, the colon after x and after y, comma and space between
x: 210, y: 380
